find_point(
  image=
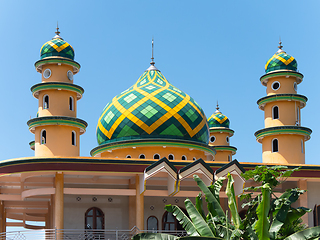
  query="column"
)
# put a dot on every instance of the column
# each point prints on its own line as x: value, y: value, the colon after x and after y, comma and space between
x: 303, y: 199
x: 58, y: 201
x: 139, y: 206
x: 132, y: 204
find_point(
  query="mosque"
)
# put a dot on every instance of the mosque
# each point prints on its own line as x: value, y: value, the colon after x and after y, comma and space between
x: 152, y: 138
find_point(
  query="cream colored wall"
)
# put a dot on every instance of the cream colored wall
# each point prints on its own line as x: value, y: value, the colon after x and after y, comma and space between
x: 115, y: 212
x: 58, y: 103
x: 151, y: 150
x: 286, y: 85
x: 313, y: 199
x: 289, y: 149
x: 287, y: 113
x: 58, y: 141
x: 58, y: 73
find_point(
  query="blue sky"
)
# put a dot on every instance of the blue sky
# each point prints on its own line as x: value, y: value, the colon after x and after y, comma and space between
x: 212, y: 50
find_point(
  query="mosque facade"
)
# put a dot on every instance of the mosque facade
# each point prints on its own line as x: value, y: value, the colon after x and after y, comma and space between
x: 152, y: 138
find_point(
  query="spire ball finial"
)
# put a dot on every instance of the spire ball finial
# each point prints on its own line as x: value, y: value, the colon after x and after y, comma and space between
x: 152, y: 58
x: 280, y: 44
x: 217, y: 106
x: 57, y: 32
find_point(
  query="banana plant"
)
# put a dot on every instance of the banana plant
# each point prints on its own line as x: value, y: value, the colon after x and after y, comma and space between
x: 267, y: 218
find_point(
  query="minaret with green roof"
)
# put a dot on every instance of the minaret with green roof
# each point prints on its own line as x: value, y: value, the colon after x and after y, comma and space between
x: 283, y: 138
x: 57, y: 129
x: 220, y: 134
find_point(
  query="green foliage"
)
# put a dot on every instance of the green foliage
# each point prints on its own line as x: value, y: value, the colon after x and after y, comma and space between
x: 268, y: 217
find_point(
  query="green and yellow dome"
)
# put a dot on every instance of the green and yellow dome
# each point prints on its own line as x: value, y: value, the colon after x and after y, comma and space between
x: 57, y: 47
x: 281, y: 61
x: 217, y: 119
x: 152, y: 109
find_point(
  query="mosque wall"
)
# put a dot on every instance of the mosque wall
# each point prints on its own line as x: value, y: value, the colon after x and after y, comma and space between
x: 313, y: 199
x: 286, y: 85
x: 58, y: 73
x: 115, y: 209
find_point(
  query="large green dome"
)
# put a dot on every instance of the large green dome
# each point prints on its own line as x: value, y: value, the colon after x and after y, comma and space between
x: 57, y: 47
x: 152, y: 109
x: 217, y: 119
x: 281, y: 61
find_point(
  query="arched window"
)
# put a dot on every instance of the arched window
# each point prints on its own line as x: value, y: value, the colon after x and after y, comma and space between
x: 229, y: 158
x: 142, y: 156
x: 183, y: 157
x: 171, y: 157
x: 275, y: 112
x: 71, y: 104
x: 156, y: 156
x: 43, y: 137
x: 275, y: 145
x: 298, y: 116
x: 128, y: 156
x: 73, y: 138
x: 94, y: 218
x: 194, y: 158
x: 302, y: 147
x: 45, y: 101
x: 152, y: 223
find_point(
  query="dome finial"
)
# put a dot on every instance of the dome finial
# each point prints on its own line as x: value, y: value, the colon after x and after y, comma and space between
x: 217, y: 107
x: 152, y: 58
x: 57, y: 32
x: 152, y: 67
x: 280, y: 46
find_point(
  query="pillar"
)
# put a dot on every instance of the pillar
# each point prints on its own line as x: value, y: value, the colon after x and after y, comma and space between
x: 132, y: 205
x: 58, y: 201
x: 2, y: 217
x: 303, y: 199
x: 139, y: 206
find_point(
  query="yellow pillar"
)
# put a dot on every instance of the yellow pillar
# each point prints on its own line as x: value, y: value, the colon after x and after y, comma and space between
x: 303, y: 199
x: 58, y: 201
x: 132, y: 205
x: 139, y: 206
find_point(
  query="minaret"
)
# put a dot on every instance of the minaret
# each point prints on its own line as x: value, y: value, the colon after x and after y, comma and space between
x: 220, y: 134
x: 57, y: 129
x: 283, y: 138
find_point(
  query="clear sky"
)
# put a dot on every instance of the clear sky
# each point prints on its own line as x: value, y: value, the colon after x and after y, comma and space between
x: 212, y: 50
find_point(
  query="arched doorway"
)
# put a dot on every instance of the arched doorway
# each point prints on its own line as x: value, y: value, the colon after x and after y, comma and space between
x: 170, y: 223
x: 94, y: 218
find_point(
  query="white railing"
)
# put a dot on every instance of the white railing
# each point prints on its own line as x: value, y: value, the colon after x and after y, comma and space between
x: 79, y: 234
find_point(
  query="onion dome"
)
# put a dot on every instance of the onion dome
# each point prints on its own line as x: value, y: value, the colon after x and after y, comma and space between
x: 152, y: 109
x: 281, y: 61
x: 57, y: 47
x: 217, y: 119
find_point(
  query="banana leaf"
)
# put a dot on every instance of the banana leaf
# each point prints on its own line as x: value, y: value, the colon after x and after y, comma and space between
x: 154, y: 236
x: 199, y: 238
x: 213, y: 204
x: 199, y: 206
x: 307, y: 234
x: 232, y: 202
x: 200, y: 224
x: 262, y: 225
x: 186, y: 223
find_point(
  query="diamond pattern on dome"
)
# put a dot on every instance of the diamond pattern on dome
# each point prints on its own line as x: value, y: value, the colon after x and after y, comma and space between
x: 218, y: 120
x: 57, y: 47
x: 152, y: 108
x: 280, y: 61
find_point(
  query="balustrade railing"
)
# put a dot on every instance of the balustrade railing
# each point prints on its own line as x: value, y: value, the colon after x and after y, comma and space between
x: 80, y: 234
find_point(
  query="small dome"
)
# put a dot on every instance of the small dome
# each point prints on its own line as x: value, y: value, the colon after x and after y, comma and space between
x: 217, y: 119
x: 57, y: 47
x: 152, y: 109
x: 281, y: 61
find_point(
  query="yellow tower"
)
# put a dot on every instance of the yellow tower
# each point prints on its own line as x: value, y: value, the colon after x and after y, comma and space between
x: 283, y: 139
x: 220, y: 134
x: 56, y: 127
